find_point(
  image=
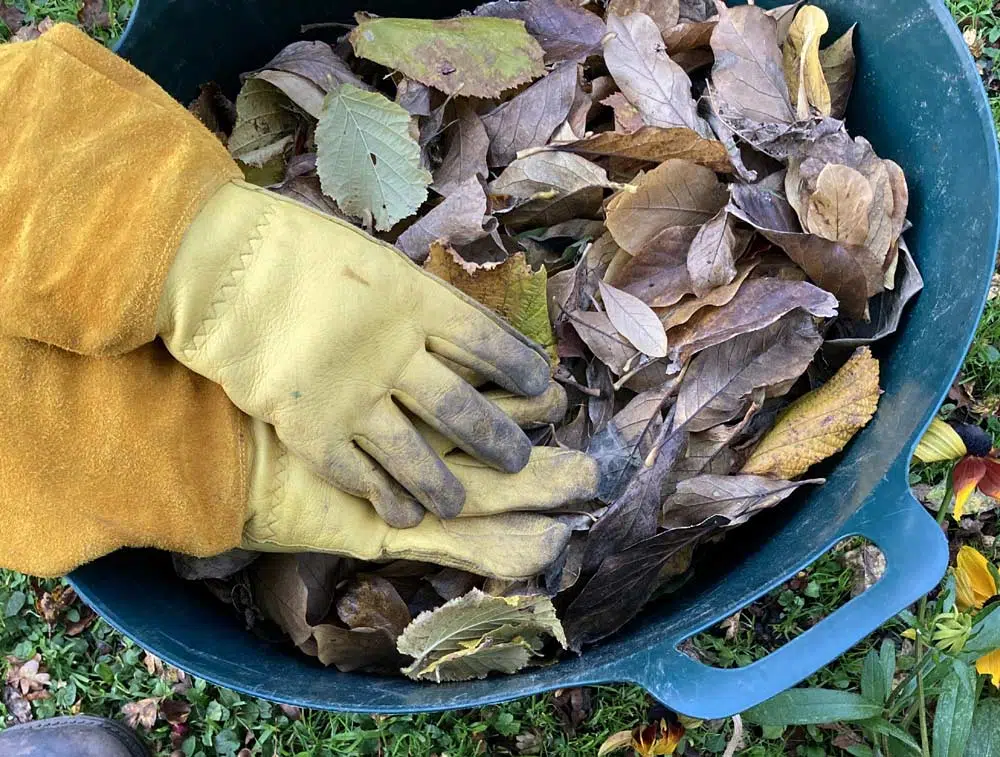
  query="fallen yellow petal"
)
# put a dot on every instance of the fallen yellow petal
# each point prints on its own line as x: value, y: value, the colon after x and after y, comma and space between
x: 820, y: 423
x: 974, y: 584
x: 939, y: 442
x: 989, y: 665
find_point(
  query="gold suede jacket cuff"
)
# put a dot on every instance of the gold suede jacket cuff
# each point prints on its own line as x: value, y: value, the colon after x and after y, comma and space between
x: 105, y: 440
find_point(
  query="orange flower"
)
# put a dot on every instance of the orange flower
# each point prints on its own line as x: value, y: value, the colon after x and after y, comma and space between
x: 973, y: 473
x: 974, y: 582
x: 989, y: 665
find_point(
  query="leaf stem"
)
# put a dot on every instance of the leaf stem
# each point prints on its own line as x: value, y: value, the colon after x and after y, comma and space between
x: 942, y: 512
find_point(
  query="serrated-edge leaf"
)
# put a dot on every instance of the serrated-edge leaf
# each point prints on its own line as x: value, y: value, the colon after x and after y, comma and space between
x: 448, y: 628
x: 366, y: 159
x: 471, y: 56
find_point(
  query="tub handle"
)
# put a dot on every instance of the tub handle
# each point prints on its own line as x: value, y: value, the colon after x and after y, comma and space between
x: 916, y: 554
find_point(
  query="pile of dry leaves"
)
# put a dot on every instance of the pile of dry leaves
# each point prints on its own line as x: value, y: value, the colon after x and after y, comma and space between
x: 664, y: 195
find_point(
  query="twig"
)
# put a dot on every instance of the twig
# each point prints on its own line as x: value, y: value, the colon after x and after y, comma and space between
x: 737, y: 738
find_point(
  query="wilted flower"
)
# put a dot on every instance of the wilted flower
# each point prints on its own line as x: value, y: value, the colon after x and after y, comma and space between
x: 978, y: 467
x: 653, y: 740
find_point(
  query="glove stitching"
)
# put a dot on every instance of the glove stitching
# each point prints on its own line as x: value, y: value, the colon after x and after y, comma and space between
x: 277, y: 493
x: 230, y: 283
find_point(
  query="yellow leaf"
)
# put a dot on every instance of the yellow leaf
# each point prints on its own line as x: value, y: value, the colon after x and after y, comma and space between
x: 974, y: 584
x: 820, y: 423
x: 510, y: 289
x: 803, y: 70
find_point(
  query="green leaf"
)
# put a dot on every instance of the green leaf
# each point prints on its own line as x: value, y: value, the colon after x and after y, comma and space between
x: 984, y: 740
x: 470, y: 56
x: 887, y: 660
x: 265, y: 123
x: 955, y: 706
x: 985, y: 636
x: 859, y: 750
x: 872, y: 682
x: 811, y: 707
x: 885, y: 728
x: 15, y: 603
x: 366, y: 159
x: 476, y: 633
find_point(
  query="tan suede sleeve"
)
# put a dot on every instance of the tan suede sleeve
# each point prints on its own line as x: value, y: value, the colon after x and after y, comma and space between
x: 101, y: 173
x: 100, y: 453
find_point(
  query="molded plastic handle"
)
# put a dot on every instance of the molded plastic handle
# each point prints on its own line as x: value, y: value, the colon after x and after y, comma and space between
x: 916, y: 554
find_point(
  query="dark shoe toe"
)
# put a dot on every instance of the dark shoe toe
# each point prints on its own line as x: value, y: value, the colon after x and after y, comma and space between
x: 78, y: 736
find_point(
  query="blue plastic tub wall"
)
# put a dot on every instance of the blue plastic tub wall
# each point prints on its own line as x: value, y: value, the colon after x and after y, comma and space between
x: 919, y: 100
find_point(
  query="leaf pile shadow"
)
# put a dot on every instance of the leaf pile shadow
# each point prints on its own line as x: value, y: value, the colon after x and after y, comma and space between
x: 664, y: 196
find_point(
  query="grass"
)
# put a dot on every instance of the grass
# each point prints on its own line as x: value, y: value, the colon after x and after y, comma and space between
x: 97, y: 671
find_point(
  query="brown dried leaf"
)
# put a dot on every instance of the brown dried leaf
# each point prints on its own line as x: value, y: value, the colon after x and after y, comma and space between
x: 849, y: 272
x: 839, y: 208
x: 784, y: 15
x: 17, y: 706
x: 597, y: 331
x: 634, y: 514
x: 757, y: 304
x: 143, y: 712
x: 465, y: 153
x: 651, y: 143
x: 306, y: 72
x: 747, y: 76
x: 510, y: 289
x: 839, y: 68
x: 296, y: 592
x: 657, y: 274
x: 819, y: 424
x: 885, y: 309
x: 563, y: 29
x: 665, y: 13
x: 13, y: 17
x: 720, y: 380
x: 803, y: 71
x: 628, y: 119
x: 93, y: 15
x: 634, y: 320
x: 458, y: 220
x: 370, y: 601
x: 652, y: 82
x: 529, y: 119
x: 546, y: 188
x: 622, y: 585
x: 682, y: 311
x: 711, y: 261
x: 28, y: 676
x: 724, y: 501
x: 675, y: 193
x: 689, y: 36
x: 695, y: 11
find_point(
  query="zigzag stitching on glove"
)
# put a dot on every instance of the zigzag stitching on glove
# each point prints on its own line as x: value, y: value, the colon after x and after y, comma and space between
x: 277, y: 494
x: 230, y: 283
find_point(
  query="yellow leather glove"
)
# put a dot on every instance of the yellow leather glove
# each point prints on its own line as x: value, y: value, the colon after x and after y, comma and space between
x: 331, y: 337
x: 291, y: 509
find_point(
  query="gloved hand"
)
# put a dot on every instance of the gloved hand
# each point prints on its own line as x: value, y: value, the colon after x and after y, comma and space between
x: 293, y: 510
x: 331, y: 337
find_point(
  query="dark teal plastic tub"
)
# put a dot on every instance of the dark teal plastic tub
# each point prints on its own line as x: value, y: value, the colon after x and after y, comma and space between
x: 921, y: 103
